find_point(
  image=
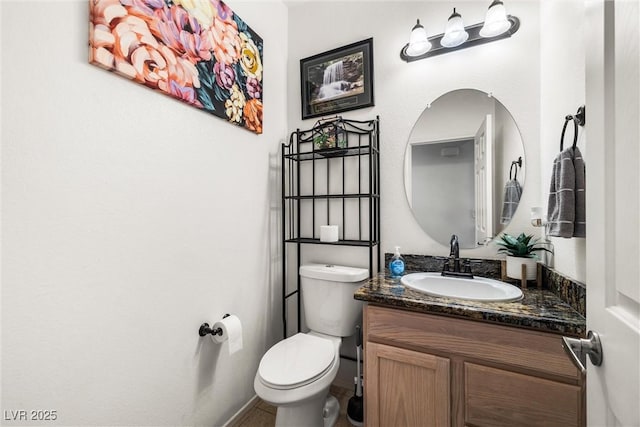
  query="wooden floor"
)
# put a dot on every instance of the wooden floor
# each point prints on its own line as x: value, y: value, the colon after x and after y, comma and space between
x: 264, y: 415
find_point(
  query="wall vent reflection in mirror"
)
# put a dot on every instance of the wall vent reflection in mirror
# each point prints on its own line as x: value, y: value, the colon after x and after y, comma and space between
x: 450, y: 152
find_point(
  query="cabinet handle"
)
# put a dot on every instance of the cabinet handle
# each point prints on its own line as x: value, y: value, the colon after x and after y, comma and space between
x: 579, y: 348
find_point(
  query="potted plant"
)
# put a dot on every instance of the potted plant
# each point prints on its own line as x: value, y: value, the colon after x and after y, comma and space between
x: 329, y: 134
x: 520, y: 250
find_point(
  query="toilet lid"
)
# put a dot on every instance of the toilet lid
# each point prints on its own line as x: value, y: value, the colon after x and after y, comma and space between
x: 296, y: 360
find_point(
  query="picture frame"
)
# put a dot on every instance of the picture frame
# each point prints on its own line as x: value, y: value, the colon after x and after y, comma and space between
x: 337, y: 80
x: 198, y: 52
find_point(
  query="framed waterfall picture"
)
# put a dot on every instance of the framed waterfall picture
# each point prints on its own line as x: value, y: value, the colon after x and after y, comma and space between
x: 338, y: 80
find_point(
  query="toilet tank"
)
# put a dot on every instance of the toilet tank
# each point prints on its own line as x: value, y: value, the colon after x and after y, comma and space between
x: 327, y: 297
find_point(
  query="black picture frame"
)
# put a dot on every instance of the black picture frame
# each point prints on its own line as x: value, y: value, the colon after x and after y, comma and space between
x: 337, y: 80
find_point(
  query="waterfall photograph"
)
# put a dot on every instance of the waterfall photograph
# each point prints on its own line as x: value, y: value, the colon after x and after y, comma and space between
x: 342, y: 77
x: 338, y: 80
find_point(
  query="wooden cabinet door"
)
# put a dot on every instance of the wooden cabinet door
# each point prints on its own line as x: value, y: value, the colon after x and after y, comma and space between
x: 405, y: 388
x: 499, y: 398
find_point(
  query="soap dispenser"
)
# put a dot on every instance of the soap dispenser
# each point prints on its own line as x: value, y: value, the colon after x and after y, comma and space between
x: 396, y: 265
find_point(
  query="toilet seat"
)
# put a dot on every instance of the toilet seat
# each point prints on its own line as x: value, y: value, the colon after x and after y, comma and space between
x: 296, y: 361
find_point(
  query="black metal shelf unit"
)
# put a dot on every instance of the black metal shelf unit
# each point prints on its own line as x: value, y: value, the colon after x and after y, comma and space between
x: 330, y: 175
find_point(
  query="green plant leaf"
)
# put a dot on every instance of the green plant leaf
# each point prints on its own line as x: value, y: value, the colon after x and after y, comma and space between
x: 523, y: 246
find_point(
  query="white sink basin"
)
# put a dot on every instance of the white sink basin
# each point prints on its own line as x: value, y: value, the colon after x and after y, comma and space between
x: 476, y: 289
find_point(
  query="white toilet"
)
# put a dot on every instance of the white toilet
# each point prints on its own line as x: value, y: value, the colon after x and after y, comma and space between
x: 296, y: 373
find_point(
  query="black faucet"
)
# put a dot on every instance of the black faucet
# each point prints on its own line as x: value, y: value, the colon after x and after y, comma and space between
x: 455, y: 253
x: 454, y: 258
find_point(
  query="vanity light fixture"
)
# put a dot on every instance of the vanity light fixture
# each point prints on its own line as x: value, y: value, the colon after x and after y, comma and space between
x: 497, y: 26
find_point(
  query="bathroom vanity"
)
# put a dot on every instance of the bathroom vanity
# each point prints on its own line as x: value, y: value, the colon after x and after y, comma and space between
x: 432, y: 361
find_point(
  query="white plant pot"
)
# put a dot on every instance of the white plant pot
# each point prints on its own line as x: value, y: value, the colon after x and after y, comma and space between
x: 514, y: 267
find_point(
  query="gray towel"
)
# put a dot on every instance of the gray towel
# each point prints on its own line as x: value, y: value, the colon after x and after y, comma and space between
x: 512, y: 193
x: 566, y: 208
x: 579, y: 223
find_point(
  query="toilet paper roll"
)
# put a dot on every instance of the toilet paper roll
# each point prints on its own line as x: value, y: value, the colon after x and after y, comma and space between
x: 231, y: 331
x: 328, y: 233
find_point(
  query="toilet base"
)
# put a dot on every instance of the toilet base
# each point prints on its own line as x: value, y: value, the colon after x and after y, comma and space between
x: 326, y: 407
x: 331, y: 411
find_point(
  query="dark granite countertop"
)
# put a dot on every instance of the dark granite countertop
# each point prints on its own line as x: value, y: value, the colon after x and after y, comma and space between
x: 540, y: 309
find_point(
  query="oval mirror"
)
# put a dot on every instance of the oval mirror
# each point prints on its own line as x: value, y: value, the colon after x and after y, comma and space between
x: 464, y: 168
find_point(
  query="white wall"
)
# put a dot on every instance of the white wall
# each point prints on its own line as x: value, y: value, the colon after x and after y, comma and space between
x: 455, y: 115
x: 562, y: 69
x: 509, y: 69
x: 129, y: 219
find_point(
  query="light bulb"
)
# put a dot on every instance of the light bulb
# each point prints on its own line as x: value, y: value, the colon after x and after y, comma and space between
x: 454, y: 34
x: 496, y: 21
x: 418, y: 41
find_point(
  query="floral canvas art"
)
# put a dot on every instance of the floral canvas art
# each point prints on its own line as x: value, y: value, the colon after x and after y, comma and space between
x: 198, y: 51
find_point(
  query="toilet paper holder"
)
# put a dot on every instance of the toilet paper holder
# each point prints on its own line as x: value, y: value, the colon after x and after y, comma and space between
x: 205, y: 329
